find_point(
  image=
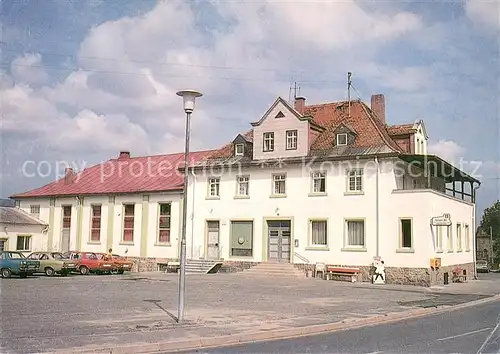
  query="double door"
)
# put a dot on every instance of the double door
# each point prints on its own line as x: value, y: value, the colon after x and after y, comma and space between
x: 279, y: 241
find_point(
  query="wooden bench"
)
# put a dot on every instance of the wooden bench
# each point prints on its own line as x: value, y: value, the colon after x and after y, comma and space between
x: 342, y: 271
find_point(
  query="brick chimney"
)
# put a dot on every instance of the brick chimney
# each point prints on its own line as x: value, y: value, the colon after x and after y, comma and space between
x: 300, y: 103
x: 124, y: 155
x: 69, y: 175
x: 378, y: 106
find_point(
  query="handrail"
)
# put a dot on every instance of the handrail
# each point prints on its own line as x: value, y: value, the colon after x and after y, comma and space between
x: 301, y: 257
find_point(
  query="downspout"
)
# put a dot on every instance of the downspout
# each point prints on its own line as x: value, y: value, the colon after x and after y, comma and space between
x: 192, y: 212
x: 474, y: 228
x: 377, y: 253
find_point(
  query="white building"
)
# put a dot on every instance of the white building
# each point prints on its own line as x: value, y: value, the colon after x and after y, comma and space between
x: 328, y: 183
x: 20, y: 231
x: 332, y: 183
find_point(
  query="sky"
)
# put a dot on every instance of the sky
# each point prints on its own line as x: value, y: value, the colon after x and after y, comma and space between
x: 80, y: 81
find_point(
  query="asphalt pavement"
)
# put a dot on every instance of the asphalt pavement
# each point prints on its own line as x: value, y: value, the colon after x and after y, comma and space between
x: 473, y: 329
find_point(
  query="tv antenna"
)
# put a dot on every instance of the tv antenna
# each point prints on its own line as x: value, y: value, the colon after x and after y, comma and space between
x: 296, y: 92
x: 349, y: 84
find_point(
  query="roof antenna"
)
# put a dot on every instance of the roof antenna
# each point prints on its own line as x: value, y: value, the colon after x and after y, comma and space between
x: 296, y: 89
x: 349, y: 83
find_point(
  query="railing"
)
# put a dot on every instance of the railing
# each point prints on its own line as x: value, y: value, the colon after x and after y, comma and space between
x: 301, y: 257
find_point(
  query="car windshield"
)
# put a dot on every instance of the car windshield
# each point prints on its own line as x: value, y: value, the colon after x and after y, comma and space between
x: 17, y: 256
x: 57, y: 255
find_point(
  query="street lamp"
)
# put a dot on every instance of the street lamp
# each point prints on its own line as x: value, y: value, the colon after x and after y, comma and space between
x: 189, y: 97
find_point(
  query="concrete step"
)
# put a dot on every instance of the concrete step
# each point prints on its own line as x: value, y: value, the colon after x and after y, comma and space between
x: 200, y: 266
x: 274, y: 270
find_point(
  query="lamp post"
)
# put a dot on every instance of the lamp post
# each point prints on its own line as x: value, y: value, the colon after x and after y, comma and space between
x: 189, y: 97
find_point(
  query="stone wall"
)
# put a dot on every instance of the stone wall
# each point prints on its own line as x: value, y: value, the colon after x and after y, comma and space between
x: 437, y: 276
x: 147, y: 264
x: 236, y: 266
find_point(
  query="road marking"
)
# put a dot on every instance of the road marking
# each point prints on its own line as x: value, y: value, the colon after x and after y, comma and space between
x: 497, y: 327
x: 374, y: 353
x: 464, y: 334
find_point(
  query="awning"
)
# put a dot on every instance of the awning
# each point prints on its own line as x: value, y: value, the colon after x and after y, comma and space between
x: 437, y: 167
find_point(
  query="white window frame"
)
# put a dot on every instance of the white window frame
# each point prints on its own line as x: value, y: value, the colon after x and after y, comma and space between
x: 241, y: 181
x: 401, y: 233
x: 26, y: 238
x: 346, y: 237
x: 341, y: 135
x: 459, y: 237
x: 17, y: 203
x: 292, y: 139
x: 278, y: 178
x: 355, y: 175
x: 241, y: 147
x: 312, y: 242
x: 439, y: 238
x: 213, y: 182
x: 317, y: 176
x: 467, y: 237
x: 35, y: 210
x: 268, y: 141
x: 449, y: 238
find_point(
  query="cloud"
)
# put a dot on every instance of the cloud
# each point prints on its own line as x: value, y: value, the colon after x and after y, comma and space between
x: 447, y: 150
x: 27, y: 68
x: 485, y: 13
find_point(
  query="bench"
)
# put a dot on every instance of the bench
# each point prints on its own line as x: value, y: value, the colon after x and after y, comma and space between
x: 173, y: 267
x: 342, y: 271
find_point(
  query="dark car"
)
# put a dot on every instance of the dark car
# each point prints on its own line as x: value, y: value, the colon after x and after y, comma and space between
x: 16, y: 263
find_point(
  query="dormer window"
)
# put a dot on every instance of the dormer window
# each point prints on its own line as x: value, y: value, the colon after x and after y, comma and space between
x: 342, y: 139
x: 239, y: 149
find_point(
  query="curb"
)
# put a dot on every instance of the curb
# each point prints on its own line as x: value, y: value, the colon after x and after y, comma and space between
x: 249, y: 337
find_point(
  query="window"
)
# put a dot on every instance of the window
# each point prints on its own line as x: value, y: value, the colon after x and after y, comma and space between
x: 242, y: 186
x: 318, y: 182
x: 417, y: 146
x: 279, y: 184
x: 355, y: 180
x: 95, y: 230
x: 213, y: 186
x: 319, y: 234
x: 35, y: 210
x: 268, y: 142
x: 459, y: 237
x: 449, y: 238
x: 165, y: 213
x: 467, y: 237
x: 66, y: 216
x: 23, y: 243
x: 18, y: 203
x: 439, y: 238
x: 291, y: 139
x: 239, y: 149
x: 128, y: 223
x: 342, y: 139
x: 406, y: 233
x: 355, y: 233
x: 280, y: 115
x: 2, y: 245
x: 241, y: 238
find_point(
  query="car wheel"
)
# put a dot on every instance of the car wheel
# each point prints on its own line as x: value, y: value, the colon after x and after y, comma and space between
x: 6, y: 273
x: 114, y: 271
x: 121, y: 271
x: 84, y: 270
x: 49, y: 272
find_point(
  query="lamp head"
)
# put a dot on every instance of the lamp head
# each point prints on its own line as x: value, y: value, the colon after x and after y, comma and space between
x: 189, y: 96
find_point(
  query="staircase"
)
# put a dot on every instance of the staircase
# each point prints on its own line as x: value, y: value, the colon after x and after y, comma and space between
x: 201, y: 266
x: 285, y: 270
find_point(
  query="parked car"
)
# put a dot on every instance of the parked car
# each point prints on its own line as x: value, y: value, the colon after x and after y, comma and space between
x: 17, y: 263
x: 53, y: 262
x: 482, y: 266
x: 88, y: 262
x: 122, y: 264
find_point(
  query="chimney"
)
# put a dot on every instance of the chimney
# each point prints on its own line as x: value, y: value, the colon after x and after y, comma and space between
x: 300, y: 103
x: 124, y: 155
x: 378, y: 106
x: 69, y: 175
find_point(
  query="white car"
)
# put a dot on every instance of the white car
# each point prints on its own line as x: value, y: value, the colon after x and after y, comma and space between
x: 482, y: 266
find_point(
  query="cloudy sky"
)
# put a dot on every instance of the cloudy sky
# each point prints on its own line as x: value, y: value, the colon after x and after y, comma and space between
x: 80, y: 81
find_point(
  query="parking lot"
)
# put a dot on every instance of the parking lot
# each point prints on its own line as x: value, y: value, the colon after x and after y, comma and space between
x: 47, y: 313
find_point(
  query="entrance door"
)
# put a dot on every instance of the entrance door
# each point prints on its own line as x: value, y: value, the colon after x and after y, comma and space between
x: 66, y: 228
x: 213, y: 229
x: 279, y: 241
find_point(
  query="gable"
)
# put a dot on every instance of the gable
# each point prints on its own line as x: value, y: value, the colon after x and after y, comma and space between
x: 284, y: 108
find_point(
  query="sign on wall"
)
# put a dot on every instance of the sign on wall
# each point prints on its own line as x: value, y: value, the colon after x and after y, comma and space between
x: 444, y: 220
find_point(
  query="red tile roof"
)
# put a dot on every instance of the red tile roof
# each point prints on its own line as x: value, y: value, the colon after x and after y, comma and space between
x: 125, y: 175
x: 400, y: 129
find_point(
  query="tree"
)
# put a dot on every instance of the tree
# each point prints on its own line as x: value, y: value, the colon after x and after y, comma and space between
x: 491, y: 218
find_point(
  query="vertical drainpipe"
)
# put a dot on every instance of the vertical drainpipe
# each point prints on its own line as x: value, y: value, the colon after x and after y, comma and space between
x: 474, y: 228
x: 192, y: 212
x: 377, y: 253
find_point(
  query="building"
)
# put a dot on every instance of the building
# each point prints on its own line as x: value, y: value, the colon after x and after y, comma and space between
x: 330, y: 183
x: 484, y: 242
x: 130, y: 204
x: 20, y: 231
x: 333, y: 183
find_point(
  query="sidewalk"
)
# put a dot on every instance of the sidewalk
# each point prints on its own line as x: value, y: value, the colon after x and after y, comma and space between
x: 139, y: 309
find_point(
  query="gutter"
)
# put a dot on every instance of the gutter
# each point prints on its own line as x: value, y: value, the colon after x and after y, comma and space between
x: 474, y: 245
x: 192, y: 212
x: 377, y: 211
